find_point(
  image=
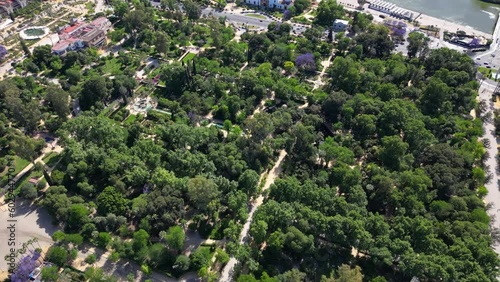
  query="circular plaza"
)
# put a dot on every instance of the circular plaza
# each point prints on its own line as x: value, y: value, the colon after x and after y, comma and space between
x: 34, y: 32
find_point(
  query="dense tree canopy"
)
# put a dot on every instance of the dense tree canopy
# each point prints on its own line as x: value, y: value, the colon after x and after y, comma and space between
x: 384, y: 171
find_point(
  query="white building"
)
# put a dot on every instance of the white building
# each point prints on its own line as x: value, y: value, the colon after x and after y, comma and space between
x: 340, y: 25
x: 253, y: 2
x: 391, y: 9
x: 382, y: 6
x: 271, y: 4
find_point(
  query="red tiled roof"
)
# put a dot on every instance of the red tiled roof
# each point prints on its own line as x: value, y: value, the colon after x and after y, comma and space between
x: 72, y: 28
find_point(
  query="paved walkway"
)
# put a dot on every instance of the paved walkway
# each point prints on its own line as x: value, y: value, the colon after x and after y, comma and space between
x: 493, y: 196
x: 45, y: 151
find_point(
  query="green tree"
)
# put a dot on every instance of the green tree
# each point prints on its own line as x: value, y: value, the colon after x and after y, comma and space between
x: 103, y: 239
x: 249, y: 182
x: 75, y: 239
x: 200, y: 258
x: 182, y: 263
x: 418, y: 44
x: 42, y: 56
x: 97, y: 275
x: 77, y: 217
x: 50, y: 274
x: 175, y: 238
x: 393, y: 151
x: 175, y: 77
x: 91, y: 259
x: 334, y: 152
x: 25, y: 47
x: 328, y: 11
x: 111, y: 201
x: 361, y: 22
x: 140, y: 242
x: 161, y: 42
x: 201, y: 191
x: 58, y: 100
x: 258, y: 231
x: 193, y: 10
x: 376, y: 41
x: 120, y: 8
x: 28, y: 191
x: 301, y: 6
x: 57, y: 255
x: 345, y: 273
x: 94, y: 90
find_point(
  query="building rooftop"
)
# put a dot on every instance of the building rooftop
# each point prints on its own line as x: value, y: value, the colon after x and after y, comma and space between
x: 341, y: 21
x: 72, y: 28
x: 61, y: 45
x: 91, y: 34
x: 99, y: 21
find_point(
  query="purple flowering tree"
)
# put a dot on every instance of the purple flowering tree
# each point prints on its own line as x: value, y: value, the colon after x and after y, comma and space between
x: 287, y: 15
x: 25, y: 266
x: 398, y: 31
x: 306, y: 62
x: 475, y: 42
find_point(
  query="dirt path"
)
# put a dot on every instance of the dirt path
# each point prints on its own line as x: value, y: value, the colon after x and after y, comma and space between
x: 227, y: 272
x: 262, y: 105
x: 122, y: 268
x: 326, y: 63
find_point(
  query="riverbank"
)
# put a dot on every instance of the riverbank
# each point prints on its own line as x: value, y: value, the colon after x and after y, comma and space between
x: 491, y: 1
x: 426, y: 20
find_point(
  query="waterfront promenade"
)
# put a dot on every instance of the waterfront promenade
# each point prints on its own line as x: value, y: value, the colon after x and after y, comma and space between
x: 425, y: 20
x: 422, y: 19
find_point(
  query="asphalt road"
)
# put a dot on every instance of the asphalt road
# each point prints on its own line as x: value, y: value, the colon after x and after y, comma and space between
x: 491, y: 58
x: 242, y: 18
x: 30, y: 221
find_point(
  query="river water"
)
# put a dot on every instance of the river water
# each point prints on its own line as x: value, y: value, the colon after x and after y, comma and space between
x: 473, y: 13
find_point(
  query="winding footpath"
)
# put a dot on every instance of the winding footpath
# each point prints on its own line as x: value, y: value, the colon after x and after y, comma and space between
x: 227, y: 272
x: 493, y: 196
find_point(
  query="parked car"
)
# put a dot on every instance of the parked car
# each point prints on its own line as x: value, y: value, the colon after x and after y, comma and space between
x: 35, y: 273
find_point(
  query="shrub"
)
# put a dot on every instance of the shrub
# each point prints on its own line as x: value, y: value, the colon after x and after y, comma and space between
x: 41, y: 184
x: 200, y: 258
x: 91, y: 259
x: 57, y: 255
x: 28, y: 191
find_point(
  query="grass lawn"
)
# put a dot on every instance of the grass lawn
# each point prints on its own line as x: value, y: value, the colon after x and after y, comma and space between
x: 278, y: 15
x: 20, y: 164
x: 209, y: 43
x: 105, y: 112
x: 301, y: 20
x: 258, y: 16
x: 51, y: 159
x: 26, y: 177
x: 130, y: 119
x: 112, y: 67
x: 188, y: 57
x: 486, y: 72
